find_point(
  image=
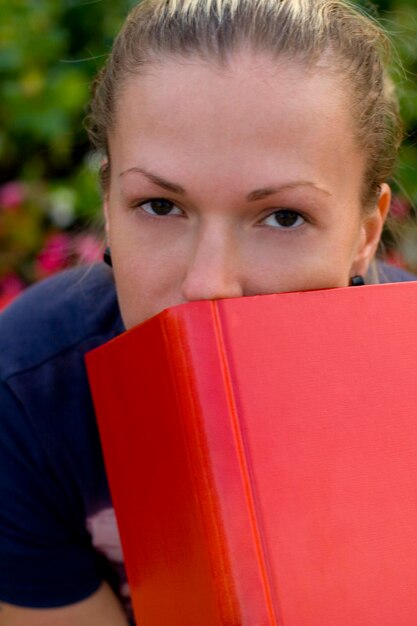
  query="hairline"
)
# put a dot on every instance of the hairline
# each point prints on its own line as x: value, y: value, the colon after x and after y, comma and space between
x: 317, y: 65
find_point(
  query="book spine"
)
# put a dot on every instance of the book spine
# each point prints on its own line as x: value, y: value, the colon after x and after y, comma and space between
x: 220, y: 468
x: 191, y: 416
x: 247, y: 484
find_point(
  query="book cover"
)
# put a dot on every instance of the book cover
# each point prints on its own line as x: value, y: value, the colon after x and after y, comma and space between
x: 262, y: 459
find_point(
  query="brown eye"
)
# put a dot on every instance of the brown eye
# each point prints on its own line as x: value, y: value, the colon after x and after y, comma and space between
x: 284, y: 218
x: 160, y: 207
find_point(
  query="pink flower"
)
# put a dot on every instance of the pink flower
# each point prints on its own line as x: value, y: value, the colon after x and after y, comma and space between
x: 5, y: 300
x: 11, y: 195
x: 11, y: 285
x: 394, y: 257
x: 55, y: 255
x: 400, y: 208
x: 88, y: 248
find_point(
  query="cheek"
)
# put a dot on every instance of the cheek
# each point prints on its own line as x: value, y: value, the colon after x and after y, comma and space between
x: 301, y: 274
x: 150, y: 263
x: 322, y: 259
x: 142, y: 292
x: 147, y: 272
x: 341, y: 240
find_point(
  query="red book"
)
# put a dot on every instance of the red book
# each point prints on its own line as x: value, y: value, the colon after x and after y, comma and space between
x: 262, y: 457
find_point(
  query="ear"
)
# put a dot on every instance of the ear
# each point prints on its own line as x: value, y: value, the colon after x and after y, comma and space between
x: 104, y: 174
x: 371, y: 231
x: 106, y: 217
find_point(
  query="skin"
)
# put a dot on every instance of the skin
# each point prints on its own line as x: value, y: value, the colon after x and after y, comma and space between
x: 100, y: 609
x: 220, y: 134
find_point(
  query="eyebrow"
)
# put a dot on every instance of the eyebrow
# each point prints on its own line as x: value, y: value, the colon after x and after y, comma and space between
x: 253, y: 196
x: 157, y: 180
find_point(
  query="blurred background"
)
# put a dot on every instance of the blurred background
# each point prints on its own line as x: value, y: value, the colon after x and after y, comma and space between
x: 49, y: 194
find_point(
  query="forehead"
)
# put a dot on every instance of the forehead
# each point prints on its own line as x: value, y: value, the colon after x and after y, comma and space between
x: 253, y: 114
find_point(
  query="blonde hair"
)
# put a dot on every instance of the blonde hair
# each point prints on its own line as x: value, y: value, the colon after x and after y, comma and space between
x: 333, y: 33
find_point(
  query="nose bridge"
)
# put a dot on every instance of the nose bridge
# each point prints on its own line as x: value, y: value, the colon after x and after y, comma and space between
x: 213, y: 266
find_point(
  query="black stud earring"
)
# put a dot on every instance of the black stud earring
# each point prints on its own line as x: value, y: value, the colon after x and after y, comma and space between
x: 357, y: 281
x: 107, y: 257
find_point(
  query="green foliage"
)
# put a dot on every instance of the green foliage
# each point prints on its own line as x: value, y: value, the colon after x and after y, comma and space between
x: 49, y: 53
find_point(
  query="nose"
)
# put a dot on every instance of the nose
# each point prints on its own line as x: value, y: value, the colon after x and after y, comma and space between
x: 213, y: 269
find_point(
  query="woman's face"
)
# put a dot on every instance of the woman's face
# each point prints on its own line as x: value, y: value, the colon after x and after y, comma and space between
x: 234, y: 182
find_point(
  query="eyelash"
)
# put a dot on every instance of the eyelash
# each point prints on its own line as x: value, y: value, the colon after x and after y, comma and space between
x: 153, y: 200
x: 281, y: 212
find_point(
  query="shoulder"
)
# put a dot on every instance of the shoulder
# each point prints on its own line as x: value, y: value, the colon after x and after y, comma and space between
x: 51, y: 466
x: 56, y: 315
x: 387, y: 273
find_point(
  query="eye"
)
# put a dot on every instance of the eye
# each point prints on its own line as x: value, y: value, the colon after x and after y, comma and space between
x: 160, y: 207
x: 284, y: 218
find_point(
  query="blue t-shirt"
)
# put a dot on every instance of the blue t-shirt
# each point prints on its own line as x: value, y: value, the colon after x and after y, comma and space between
x: 58, y: 534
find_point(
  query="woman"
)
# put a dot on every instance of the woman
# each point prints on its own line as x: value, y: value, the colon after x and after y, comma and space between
x: 246, y: 148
